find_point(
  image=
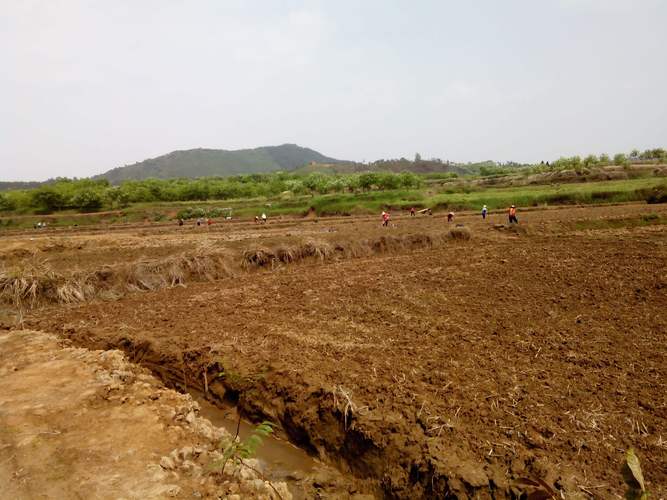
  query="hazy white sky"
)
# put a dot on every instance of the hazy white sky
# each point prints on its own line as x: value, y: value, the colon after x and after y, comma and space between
x: 90, y: 85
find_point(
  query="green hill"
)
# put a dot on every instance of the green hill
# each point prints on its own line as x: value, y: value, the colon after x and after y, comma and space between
x: 218, y: 162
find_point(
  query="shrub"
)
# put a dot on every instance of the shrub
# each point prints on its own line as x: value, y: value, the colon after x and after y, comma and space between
x: 118, y: 197
x: 590, y: 161
x: 47, y: 199
x: 191, y: 213
x: 6, y: 203
x: 87, y: 201
x: 620, y: 159
x: 657, y: 195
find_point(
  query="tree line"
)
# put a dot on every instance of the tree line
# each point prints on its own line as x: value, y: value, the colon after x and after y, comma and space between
x: 88, y: 195
x: 579, y: 164
x: 620, y: 159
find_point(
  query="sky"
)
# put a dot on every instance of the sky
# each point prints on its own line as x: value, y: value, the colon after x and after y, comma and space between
x: 86, y: 86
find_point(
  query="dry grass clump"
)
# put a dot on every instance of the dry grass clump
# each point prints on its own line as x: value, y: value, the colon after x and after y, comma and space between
x: 321, y: 250
x: 38, y: 283
x: 353, y: 249
x: 165, y: 273
x: 459, y: 233
x: 264, y: 257
x: 76, y: 289
x: 287, y: 254
x: 387, y: 244
x: 257, y: 257
x: 420, y: 240
x: 17, y: 253
x: 28, y: 284
x: 145, y: 276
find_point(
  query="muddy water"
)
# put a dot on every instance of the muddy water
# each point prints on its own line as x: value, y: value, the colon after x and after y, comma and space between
x: 279, y: 459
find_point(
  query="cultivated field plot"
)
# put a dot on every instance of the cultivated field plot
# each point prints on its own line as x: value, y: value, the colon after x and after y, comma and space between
x: 434, y: 365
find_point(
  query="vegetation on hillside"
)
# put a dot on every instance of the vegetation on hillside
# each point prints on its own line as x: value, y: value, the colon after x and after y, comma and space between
x: 217, y: 162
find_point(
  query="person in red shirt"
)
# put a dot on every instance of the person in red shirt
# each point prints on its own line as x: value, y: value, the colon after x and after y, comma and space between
x: 512, y: 215
x: 412, y: 212
x: 385, y: 218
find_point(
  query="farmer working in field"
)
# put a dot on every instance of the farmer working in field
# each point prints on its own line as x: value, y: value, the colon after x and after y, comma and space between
x: 263, y: 218
x: 385, y: 218
x: 484, y: 212
x: 412, y: 212
x: 450, y: 216
x: 512, y: 215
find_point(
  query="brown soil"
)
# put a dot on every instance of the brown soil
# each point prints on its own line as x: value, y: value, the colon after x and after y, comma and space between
x: 83, y: 424
x: 453, y: 369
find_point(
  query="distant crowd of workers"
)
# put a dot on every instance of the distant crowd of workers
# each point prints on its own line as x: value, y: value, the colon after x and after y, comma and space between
x: 511, y: 213
x: 201, y: 221
x: 386, y: 217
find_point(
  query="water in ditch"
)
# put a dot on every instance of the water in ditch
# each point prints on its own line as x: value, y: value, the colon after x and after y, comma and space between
x: 280, y: 460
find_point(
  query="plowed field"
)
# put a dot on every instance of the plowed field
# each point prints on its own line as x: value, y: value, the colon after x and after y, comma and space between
x: 448, y: 367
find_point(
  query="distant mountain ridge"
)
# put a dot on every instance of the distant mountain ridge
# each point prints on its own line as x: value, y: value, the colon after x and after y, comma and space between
x: 9, y: 185
x: 218, y: 162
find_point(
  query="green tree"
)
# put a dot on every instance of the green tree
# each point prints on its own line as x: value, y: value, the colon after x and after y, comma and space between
x: 408, y: 180
x: 118, y: 198
x: 195, y: 190
x: 388, y: 181
x: 6, y: 203
x: 87, y: 200
x: 46, y: 199
x: 316, y: 182
x: 368, y: 180
x: 590, y: 161
x: 620, y: 159
x: 604, y: 159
